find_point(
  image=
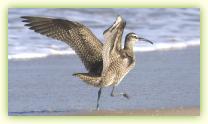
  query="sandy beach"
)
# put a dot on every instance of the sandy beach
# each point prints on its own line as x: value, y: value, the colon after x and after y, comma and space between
x: 190, y: 111
x: 162, y: 83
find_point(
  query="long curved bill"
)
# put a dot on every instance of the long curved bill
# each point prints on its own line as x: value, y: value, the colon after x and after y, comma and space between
x: 143, y: 39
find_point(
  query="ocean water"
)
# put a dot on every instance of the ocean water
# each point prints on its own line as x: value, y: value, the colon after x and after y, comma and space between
x: 168, y: 28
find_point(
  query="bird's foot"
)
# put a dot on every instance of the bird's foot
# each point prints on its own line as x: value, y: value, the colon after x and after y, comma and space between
x: 126, y: 95
x: 123, y: 94
x: 112, y: 95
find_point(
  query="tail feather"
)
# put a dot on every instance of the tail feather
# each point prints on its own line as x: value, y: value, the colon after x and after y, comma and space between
x: 89, y: 78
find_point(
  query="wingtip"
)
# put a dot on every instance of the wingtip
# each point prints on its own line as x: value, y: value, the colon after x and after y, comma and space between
x: 24, y: 17
x: 75, y: 74
x: 119, y: 18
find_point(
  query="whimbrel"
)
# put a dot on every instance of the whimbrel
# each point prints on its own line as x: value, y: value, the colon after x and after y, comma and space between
x: 107, y: 64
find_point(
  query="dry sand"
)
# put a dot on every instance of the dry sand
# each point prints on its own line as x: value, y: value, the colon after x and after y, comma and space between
x: 191, y: 111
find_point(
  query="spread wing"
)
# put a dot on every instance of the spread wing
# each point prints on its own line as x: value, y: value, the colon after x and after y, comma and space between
x: 76, y: 35
x: 112, y: 36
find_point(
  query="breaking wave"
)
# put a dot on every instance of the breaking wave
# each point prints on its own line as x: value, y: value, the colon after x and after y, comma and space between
x: 44, y: 52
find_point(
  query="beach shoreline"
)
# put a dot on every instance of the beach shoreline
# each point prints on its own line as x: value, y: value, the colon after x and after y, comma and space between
x: 188, y: 111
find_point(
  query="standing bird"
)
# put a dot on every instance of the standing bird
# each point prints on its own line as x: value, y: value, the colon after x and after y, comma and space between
x: 107, y: 64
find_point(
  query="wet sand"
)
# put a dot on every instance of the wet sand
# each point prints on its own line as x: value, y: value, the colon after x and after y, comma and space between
x: 162, y: 83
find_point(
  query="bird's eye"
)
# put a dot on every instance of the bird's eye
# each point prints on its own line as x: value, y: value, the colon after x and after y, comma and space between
x: 134, y: 36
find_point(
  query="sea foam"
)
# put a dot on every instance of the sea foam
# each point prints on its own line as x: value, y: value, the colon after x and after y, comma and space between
x: 144, y: 48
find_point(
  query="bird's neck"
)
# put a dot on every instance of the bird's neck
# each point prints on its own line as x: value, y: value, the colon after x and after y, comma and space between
x: 128, y: 48
x: 129, y: 45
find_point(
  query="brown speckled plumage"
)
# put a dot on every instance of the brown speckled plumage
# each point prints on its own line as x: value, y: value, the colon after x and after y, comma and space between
x: 76, y: 35
x: 107, y: 63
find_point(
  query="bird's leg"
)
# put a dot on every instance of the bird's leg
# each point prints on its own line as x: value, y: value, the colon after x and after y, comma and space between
x: 118, y: 94
x: 98, y: 99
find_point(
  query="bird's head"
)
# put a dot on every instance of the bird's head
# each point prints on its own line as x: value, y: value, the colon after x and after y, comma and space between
x: 132, y: 37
